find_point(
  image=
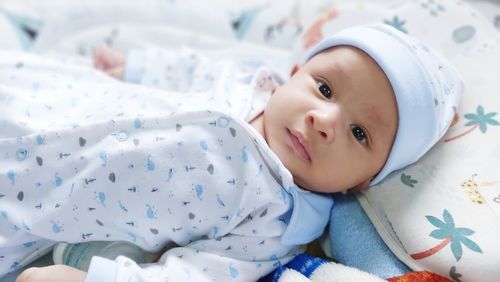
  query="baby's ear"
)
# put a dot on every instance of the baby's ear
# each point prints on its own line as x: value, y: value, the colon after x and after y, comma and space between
x: 295, y: 68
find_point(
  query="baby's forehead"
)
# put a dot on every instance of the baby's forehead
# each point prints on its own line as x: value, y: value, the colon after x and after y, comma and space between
x: 341, y: 59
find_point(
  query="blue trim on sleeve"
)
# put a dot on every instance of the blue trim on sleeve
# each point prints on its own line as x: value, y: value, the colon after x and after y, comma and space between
x: 134, y: 67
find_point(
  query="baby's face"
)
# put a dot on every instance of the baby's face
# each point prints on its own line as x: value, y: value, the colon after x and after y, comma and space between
x: 333, y: 123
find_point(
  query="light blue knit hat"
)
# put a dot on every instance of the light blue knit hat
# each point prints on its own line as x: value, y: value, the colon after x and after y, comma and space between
x: 427, y: 88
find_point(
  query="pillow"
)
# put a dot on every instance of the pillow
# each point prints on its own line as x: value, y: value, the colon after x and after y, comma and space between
x: 442, y: 213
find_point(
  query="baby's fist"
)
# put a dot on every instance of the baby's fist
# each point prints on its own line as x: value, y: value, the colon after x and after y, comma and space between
x: 109, y: 61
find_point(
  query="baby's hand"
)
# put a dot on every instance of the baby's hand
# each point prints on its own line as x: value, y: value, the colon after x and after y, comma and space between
x: 53, y: 273
x: 109, y: 61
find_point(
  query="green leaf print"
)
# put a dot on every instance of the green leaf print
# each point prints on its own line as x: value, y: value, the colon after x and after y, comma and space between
x: 454, y: 274
x: 406, y: 179
x: 397, y: 24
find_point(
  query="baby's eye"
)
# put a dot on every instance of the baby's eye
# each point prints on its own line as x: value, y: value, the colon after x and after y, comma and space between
x: 324, y: 90
x: 359, y: 134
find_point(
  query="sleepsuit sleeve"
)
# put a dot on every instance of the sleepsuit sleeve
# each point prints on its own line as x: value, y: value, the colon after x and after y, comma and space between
x: 185, y: 69
x: 223, y: 259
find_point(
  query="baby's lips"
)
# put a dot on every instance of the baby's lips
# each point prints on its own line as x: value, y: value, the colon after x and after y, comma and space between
x: 302, y: 142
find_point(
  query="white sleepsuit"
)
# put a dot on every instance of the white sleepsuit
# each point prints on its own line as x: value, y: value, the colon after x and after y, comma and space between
x: 84, y: 157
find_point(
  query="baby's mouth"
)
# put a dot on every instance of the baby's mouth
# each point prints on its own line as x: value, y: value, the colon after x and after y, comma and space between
x: 299, y: 144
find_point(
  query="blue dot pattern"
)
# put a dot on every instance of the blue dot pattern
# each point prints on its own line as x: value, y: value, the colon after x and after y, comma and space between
x: 85, y: 158
x: 236, y: 206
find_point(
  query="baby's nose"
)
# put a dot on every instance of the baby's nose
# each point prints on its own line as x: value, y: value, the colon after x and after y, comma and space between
x: 324, y: 123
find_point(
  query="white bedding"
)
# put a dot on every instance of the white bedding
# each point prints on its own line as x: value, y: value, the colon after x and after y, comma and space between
x: 273, y: 31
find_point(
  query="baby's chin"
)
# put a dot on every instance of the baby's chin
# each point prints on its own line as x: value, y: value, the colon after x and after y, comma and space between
x: 301, y: 184
x: 310, y: 185
x: 304, y: 184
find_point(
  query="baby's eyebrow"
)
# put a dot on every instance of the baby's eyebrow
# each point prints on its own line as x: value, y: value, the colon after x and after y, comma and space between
x: 338, y: 74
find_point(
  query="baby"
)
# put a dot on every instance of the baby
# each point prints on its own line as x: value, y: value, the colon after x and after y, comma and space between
x: 238, y: 198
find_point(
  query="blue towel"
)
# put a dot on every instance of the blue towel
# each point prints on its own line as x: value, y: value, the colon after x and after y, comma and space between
x: 355, y: 242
